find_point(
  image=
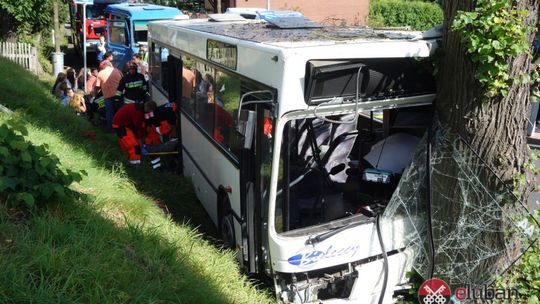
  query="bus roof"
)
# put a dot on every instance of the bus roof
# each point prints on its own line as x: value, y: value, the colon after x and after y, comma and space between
x: 143, y: 11
x: 260, y: 32
x: 109, y: 1
x: 278, y: 57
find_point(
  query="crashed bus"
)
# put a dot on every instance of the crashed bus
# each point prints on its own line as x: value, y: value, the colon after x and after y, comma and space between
x: 295, y: 137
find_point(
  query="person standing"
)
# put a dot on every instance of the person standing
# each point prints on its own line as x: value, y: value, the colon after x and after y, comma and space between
x: 108, y: 57
x: 142, y: 66
x: 128, y: 124
x: 133, y: 86
x: 107, y: 81
x: 101, y: 49
x: 91, y: 80
x: 143, y: 50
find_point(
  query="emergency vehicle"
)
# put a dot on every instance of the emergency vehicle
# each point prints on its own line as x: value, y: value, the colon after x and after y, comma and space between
x: 95, y: 23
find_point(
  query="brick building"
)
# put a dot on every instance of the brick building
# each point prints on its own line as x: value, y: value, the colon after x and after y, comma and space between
x: 334, y: 12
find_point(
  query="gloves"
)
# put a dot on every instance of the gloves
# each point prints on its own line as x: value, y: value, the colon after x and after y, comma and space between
x: 144, y: 152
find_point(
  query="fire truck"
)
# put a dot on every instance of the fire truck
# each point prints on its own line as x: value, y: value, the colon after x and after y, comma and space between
x: 95, y: 23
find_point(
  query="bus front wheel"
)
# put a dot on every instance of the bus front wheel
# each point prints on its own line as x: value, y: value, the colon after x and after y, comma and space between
x: 227, y: 231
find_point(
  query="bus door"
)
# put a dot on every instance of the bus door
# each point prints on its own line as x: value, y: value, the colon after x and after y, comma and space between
x: 256, y: 126
x: 119, y: 42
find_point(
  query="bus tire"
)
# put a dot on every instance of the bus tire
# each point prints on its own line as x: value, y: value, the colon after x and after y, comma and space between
x: 226, y: 229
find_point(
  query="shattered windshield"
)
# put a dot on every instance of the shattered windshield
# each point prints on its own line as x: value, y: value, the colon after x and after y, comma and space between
x: 337, y: 167
x: 470, y: 241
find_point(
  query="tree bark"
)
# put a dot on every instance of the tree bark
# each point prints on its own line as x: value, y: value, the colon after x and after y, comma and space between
x: 467, y: 215
x: 495, y: 127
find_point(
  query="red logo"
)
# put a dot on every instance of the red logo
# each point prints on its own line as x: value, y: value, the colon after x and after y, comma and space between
x: 434, y: 291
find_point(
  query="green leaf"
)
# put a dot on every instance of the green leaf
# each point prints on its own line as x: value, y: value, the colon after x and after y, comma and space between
x: 19, y: 145
x: 25, y: 156
x: 7, y: 182
x: 27, y: 198
x: 59, y: 190
x: 4, y: 151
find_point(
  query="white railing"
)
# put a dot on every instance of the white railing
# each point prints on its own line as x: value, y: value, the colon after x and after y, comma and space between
x: 22, y: 53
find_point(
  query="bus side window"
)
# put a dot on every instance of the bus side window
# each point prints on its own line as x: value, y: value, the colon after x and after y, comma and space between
x: 225, y: 94
x: 156, y: 64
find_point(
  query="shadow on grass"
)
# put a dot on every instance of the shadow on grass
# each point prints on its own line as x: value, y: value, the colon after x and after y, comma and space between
x: 118, y: 263
x: 71, y: 254
x: 26, y: 95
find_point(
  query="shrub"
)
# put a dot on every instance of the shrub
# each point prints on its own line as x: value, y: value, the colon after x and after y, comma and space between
x: 29, y: 175
x: 397, y: 13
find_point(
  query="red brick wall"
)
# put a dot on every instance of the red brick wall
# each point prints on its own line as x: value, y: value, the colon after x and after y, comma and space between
x: 332, y: 12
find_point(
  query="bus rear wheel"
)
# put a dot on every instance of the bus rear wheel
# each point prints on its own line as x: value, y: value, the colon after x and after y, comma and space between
x: 227, y: 231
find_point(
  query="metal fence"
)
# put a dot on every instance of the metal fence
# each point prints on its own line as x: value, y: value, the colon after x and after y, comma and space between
x: 22, y: 53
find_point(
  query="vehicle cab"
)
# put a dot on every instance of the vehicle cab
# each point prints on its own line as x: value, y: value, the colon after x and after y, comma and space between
x: 95, y: 22
x: 127, y: 27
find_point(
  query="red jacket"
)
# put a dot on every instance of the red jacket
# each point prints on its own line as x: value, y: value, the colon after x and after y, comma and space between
x: 128, y: 116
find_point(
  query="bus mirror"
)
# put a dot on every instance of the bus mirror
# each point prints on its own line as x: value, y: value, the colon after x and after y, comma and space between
x: 246, y: 127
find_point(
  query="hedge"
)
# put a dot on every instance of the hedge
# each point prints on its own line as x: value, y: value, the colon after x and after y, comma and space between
x: 417, y: 15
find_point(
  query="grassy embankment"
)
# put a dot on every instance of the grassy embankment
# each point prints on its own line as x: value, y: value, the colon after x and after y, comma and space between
x: 112, y: 244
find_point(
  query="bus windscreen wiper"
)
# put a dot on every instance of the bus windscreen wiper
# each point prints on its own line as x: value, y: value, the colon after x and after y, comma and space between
x: 326, y: 235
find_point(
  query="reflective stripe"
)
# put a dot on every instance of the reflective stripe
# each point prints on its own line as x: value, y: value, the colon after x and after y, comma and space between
x: 127, y: 100
x: 134, y: 84
x: 156, y: 166
x: 158, y: 130
x: 155, y: 161
x: 100, y: 102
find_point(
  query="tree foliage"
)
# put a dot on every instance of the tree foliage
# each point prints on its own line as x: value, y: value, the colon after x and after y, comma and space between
x: 29, y: 16
x: 418, y: 15
x: 493, y: 33
x: 29, y: 175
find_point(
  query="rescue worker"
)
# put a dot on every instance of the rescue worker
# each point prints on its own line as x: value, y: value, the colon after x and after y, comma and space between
x: 160, y: 124
x: 133, y: 85
x: 128, y: 123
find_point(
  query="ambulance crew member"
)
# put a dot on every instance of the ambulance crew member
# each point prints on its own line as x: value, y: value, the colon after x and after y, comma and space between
x: 160, y: 123
x: 128, y: 123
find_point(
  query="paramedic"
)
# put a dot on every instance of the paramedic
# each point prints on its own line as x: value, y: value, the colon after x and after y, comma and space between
x: 128, y: 123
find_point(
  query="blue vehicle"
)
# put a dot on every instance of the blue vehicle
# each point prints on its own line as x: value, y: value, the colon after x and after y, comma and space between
x: 127, y: 27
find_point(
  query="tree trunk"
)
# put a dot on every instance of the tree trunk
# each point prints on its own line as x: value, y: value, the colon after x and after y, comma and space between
x: 471, y: 214
x: 56, y: 27
x: 495, y: 127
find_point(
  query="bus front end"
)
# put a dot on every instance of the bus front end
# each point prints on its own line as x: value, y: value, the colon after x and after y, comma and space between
x: 339, y: 164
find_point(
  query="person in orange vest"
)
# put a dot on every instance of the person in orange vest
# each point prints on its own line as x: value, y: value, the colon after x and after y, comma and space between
x: 128, y: 124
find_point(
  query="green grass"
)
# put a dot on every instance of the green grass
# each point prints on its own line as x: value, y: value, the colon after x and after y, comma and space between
x: 111, y: 244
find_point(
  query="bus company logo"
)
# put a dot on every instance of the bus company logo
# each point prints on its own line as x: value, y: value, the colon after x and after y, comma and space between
x: 434, y: 291
x: 309, y: 257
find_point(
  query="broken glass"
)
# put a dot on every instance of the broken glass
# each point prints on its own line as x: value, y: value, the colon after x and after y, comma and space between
x: 477, y: 232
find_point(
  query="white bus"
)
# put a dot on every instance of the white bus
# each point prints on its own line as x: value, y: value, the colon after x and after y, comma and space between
x: 294, y: 139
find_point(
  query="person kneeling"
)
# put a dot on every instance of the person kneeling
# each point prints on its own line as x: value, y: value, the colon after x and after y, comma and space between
x: 128, y: 124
